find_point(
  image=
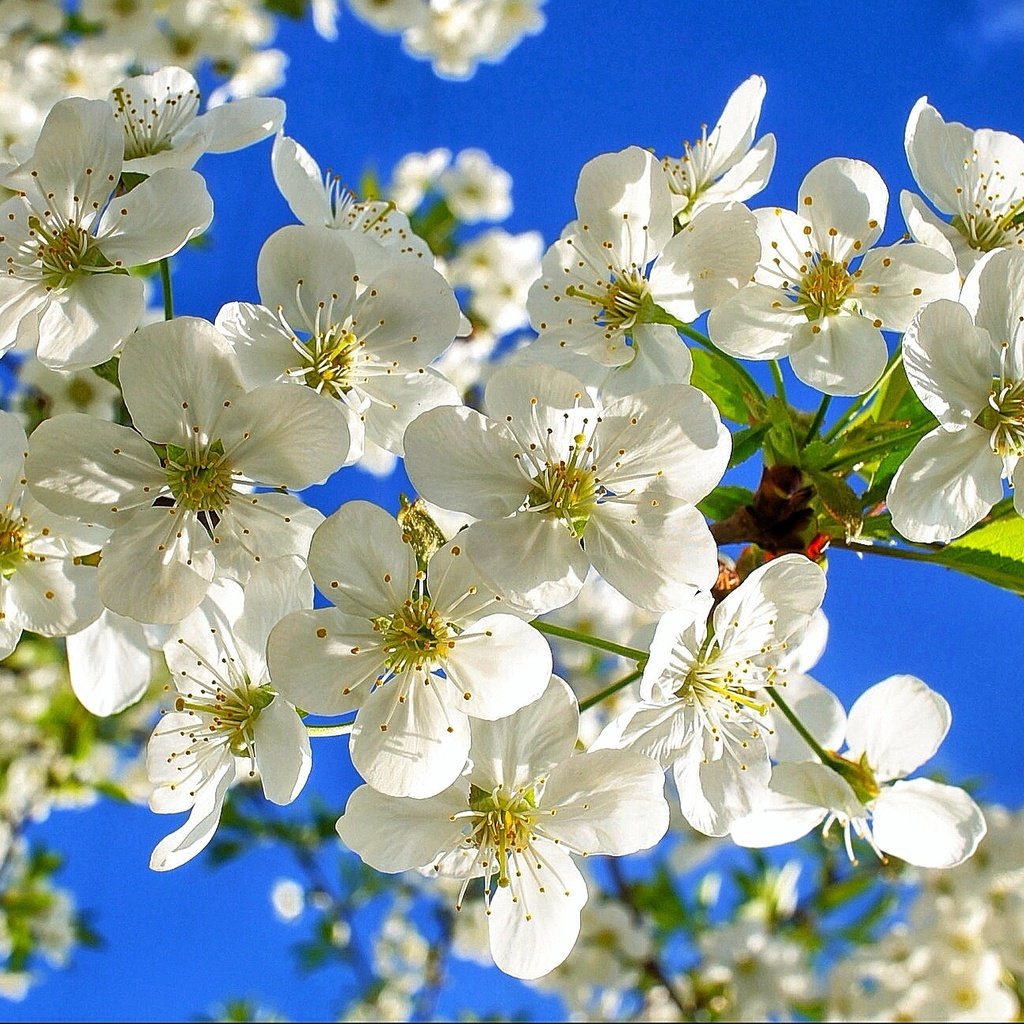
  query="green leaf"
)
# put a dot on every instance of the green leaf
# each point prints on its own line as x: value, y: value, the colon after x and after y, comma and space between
x: 839, y: 500
x: 723, y: 385
x: 724, y: 500
x: 746, y: 442
x: 294, y: 9
x: 993, y: 551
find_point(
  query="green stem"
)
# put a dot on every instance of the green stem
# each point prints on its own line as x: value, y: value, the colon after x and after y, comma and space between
x: 853, y: 458
x: 609, y: 690
x: 330, y: 730
x: 780, y: 384
x: 633, y: 653
x: 826, y: 757
x: 819, y: 418
x: 903, y: 554
x: 165, y: 279
x: 705, y: 342
x: 856, y: 408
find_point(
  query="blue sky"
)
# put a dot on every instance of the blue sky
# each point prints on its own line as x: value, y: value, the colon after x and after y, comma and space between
x: 841, y: 81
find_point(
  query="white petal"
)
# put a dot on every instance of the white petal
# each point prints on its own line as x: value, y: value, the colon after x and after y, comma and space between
x: 671, y: 436
x: 394, y: 834
x: 660, y: 358
x: 818, y: 708
x: 77, y: 136
x: 465, y: 462
x: 654, y: 552
x: 300, y: 267
x: 846, y: 358
x: 534, y: 925
x: 780, y: 819
x: 894, y: 291
x: 157, y: 567
x: 242, y: 122
x: 299, y: 180
x: 197, y: 374
x: 312, y: 664
x: 949, y: 362
x: 85, y: 324
x: 898, y: 724
x: 936, y: 152
x: 109, y: 664
x: 156, y: 218
x: 927, y: 824
x: 534, y: 560
x: 503, y: 666
x: 623, y: 198
x: 277, y: 587
x: 707, y: 262
x: 285, y: 436
x: 715, y: 792
x: 52, y: 596
x: 192, y: 838
x: 848, y: 200
x: 758, y: 322
x: 360, y: 562
x: 774, y: 603
x: 398, y: 398
x: 946, y: 485
x: 84, y: 467
x: 408, y: 313
x: 514, y: 752
x: 606, y: 802
x: 13, y: 450
x: 282, y: 751
x: 424, y: 748
x: 262, y: 346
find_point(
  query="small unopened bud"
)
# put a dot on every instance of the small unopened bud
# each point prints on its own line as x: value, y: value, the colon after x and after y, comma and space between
x: 419, y: 529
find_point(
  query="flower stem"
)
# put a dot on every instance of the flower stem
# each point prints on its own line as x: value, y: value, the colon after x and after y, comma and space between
x: 826, y: 757
x: 855, y: 409
x: 165, y: 280
x: 612, y: 689
x: 819, y: 418
x: 705, y: 342
x: 633, y: 653
x: 343, y: 729
x: 780, y: 384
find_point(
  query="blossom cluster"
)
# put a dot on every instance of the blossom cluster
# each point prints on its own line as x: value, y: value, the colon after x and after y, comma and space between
x: 165, y: 517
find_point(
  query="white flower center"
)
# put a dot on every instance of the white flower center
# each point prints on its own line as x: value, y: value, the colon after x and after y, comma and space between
x: 149, y: 124
x: 622, y: 303
x: 824, y: 288
x: 200, y: 481
x: 415, y: 637
x: 12, y: 545
x: 60, y: 254
x: 567, y: 489
x: 502, y: 826
x: 1004, y: 417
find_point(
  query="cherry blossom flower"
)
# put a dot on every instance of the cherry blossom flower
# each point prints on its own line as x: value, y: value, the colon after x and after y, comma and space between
x: 561, y: 484
x: 67, y: 243
x: 976, y: 177
x: 319, y: 199
x: 384, y: 646
x: 227, y: 717
x: 598, y: 287
x: 704, y: 702
x: 180, y: 516
x: 44, y: 585
x: 819, y: 295
x: 725, y: 166
x: 368, y: 349
x: 966, y: 363
x: 894, y: 727
x: 528, y: 803
x: 158, y: 116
